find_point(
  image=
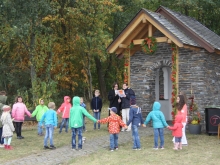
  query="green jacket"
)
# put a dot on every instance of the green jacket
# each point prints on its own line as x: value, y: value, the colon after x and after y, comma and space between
x: 76, y: 114
x: 39, y: 111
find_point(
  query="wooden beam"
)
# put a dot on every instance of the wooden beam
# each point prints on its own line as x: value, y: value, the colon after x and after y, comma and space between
x: 128, y: 30
x: 217, y: 51
x: 150, y: 30
x: 158, y: 39
x: 169, y: 41
x: 144, y: 20
x: 123, y: 46
x: 191, y: 47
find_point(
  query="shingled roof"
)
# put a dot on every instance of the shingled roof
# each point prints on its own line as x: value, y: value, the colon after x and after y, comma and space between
x: 181, y: 29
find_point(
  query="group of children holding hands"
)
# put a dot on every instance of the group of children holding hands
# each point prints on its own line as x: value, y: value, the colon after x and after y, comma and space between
x: 74, y: 117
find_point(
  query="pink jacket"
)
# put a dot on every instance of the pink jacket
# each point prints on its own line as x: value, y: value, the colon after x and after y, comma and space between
x: 65, y: 108
x: 18, y: 112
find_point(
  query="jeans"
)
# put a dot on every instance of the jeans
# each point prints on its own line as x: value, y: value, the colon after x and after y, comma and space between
x: 158, y: 132
x: 1, y: 138
x: 97, y: 116
x: 49, y: 134
x: 136, y: 138
x: 84, y: 123
x: 66, y: 121
x: 125, y: 116
x: 18, y: 126
x: 113, y: 141
x: 40, y: 129
x: 74, y: 132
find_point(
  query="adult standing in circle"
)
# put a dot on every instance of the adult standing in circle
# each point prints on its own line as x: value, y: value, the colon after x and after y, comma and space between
x: 182, y: 110
x: 125, y: 104
x: 114, y: 99
x: 18, y: 111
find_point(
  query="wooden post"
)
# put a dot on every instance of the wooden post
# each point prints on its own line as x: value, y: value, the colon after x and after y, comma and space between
x: 129, y: 68
x: 177, y: 69
x: 150, y: 30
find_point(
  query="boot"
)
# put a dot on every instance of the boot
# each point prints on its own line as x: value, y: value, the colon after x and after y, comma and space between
x: 180, y: 146
x: 9, y: 148
x: 5, y: 146
x: 176, y: 146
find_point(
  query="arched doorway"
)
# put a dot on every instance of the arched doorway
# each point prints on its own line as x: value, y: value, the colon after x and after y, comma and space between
x: 163, y: 88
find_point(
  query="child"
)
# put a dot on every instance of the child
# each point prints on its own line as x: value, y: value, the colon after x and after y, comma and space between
x: 96, y: 105
x: 50, y: 118
x: 159, y: 123
x: 84, y: 106
x: 8, y: 127
x: 39, y: 112
x: 3, y: 99
x: 135, y: 117
x: 114, y: 127
x: 19, y: 109
x: 65, y: 108
x: 177, y: 132
x: 76, y: 121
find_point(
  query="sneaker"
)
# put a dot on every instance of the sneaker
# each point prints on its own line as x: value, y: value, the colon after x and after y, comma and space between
x: 74, y: 149
x: 79, y: 149
x: 111, y: 150
x: 9, y: 148
x: 135, y: 149
x: 2, y: 146
x: 5, y: 146
x: 22, y: 137
x: 19, y: 137
x: 116, y: 148
x: 161, y: 148
x: 128, y: 130
x: 122, y: 130
x: 46, y: 147
x: 139, y: 149
x: 155, y: 148
x: 52, y: 147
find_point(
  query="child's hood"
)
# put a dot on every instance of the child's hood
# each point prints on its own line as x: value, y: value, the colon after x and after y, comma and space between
x: 178, y: 119
x: 65, y: 99
x: 76, y: 101
x: 156, y: 106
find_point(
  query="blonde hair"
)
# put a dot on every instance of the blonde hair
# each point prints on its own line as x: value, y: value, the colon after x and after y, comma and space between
x: 97, y: 91
x: 51, y: 105
x: 6, y: 109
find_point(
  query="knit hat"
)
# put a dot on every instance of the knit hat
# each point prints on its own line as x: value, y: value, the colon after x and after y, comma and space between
x: 132, y: 100
x: 113, y: 109
x: 6, y: 108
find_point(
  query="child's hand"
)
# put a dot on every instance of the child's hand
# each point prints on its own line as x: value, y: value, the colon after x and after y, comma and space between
x: 55, y: 127
x: 143, y: 125
x: 98, y: 121
x: 126, y: 127
x: 13, y: 119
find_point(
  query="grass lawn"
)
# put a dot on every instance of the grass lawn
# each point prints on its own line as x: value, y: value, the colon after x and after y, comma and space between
x: 202, y: 150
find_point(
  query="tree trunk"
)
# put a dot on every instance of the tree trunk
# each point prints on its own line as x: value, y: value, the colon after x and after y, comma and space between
x: 101, y: 79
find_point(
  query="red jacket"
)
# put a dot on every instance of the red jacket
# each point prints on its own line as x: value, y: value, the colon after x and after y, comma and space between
x: 177, y: 128
x: 114, y: 123
x: 65, y: 108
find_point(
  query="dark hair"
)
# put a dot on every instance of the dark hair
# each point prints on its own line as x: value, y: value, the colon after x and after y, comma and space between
x: 2, y: 93
x: 16, y: 99
x: 184, y: 95
x: 113, y: 85
x: 126, y: 84
x: 181, y: 103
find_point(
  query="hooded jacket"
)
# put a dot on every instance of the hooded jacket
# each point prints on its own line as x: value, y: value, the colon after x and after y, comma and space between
x: 177, y: 128
x: 39, y: 111
x: 135, y: 116
x: 65, y: 108
x: 156, y: 116
x: 76, y: 114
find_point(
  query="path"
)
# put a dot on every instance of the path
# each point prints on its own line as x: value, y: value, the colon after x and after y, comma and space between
x: 65, y: 154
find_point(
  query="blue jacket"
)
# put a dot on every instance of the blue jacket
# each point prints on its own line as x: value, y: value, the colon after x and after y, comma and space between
x: 50, y: 117
x: 156, y: 116
x: 135, y: 116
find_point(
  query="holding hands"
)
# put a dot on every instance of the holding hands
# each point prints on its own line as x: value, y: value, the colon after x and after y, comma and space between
x: 143, y: 125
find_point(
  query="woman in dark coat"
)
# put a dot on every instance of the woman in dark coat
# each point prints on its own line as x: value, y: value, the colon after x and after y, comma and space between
x: 114, y: 99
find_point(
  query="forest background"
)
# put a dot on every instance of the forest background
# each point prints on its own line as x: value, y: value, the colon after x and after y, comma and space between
x: 53, y: 48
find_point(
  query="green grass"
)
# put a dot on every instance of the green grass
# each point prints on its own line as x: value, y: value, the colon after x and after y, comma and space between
x: 202, y: 150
